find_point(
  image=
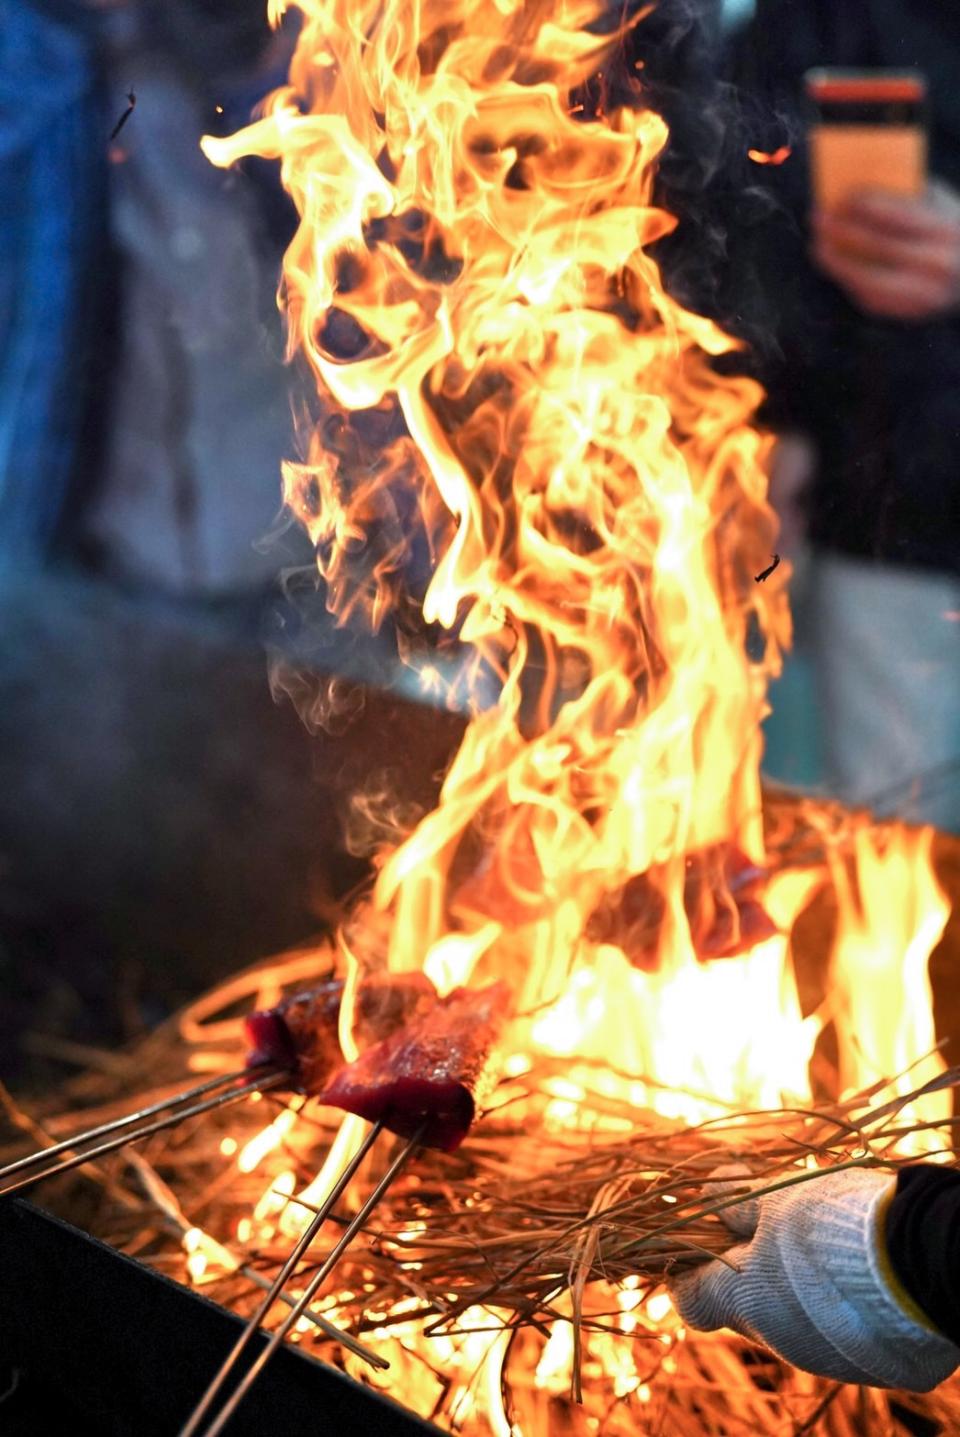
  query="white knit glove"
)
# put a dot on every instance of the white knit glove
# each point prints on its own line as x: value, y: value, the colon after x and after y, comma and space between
x: 814, y: 1284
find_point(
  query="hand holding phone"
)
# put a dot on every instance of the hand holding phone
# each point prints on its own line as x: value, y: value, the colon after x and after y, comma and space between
x: 896, y: 256
x: 890, y: 239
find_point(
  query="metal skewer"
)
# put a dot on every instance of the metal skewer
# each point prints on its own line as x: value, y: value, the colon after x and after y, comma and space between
x: 280, y: 1281
x: 344, y: 1339
x: 102, y: 1129
x: 304, y: 1301
x: 170, y: 1120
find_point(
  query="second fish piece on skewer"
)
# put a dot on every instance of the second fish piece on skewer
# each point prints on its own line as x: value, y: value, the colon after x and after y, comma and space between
x: 293, y: 1046
x: 424, y: 1082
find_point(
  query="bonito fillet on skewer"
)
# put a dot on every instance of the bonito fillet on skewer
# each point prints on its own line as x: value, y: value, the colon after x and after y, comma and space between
x: 301, y: 1032
x: 432, y: 1075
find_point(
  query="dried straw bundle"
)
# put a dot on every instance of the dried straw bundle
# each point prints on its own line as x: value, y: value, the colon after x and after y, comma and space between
x: 544, y: 1256
x: 514, y: 1223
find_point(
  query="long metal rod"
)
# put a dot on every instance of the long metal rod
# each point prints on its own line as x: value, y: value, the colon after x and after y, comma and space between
x: 41, y: 1155
x: 345, y: 1339
x: 279, y: 1282
x: 320, y: 1276
x: 170, y: 1120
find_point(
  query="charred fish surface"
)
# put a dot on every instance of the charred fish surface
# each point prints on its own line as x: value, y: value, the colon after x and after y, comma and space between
x: 722, y: 899
x: 301, y: 1033
x: 430, y: 1076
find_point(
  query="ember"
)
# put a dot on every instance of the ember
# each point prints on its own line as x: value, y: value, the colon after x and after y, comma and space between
x: 770, y: 157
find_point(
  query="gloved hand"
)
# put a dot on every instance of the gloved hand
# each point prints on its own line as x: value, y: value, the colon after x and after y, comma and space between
x: 814, y: 1285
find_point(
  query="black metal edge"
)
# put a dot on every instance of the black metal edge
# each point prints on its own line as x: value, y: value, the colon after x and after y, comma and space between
x: 132, y: 1350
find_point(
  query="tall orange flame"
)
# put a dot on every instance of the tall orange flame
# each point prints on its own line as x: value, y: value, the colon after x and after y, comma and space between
x: 506, y: 386
x: 589, y: 485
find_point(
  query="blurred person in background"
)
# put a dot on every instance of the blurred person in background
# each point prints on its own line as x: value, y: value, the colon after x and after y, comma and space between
x: 865, y: 305
x: 144, y: 776
x: 143, y: 402
x: 53, y: 179
x: 161, y: 821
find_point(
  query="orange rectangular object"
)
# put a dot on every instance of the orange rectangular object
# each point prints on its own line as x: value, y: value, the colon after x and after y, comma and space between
x: 868, y: 133
x: 845, y: 158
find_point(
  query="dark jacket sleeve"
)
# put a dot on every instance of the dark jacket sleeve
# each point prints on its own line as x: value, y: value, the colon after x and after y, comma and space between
x: 923, y: 1242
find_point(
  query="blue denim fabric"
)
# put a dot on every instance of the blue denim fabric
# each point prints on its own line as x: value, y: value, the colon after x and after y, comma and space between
x: 53, y: 154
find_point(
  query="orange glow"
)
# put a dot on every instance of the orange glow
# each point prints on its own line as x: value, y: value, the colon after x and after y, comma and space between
x: 471, y: 278
x: 253, y: 1153
x: 207, y: 1259
x: 892, y: 912
x: 772, y: 157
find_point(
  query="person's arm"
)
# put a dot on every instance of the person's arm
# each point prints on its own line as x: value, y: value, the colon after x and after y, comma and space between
x: 923, y: 1242
x: 816, y: 1283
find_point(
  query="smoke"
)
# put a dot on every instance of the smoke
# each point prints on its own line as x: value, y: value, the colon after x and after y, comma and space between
x: 670, y: 59
x: 354, y: 478
x: 378, y: 818
x: 309, y: 660
x: 326, y: 703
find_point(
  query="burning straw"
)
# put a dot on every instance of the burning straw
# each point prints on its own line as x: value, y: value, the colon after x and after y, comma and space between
x: 509, y: 395
x: 528, y: 1266
x: 609, y: 1211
